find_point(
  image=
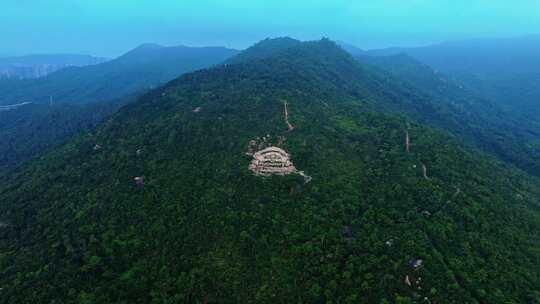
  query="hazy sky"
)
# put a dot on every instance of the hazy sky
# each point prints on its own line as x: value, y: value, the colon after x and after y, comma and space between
x: 111, y: 27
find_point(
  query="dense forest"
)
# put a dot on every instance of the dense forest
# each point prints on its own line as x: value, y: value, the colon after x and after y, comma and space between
x: 76, y: 99
x: 380, y: 222
x: 31, y: 130
x: 474, y: 118
x: 403, y: 86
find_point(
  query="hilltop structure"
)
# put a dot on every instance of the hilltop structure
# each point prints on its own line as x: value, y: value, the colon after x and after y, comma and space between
x: 271, y: 160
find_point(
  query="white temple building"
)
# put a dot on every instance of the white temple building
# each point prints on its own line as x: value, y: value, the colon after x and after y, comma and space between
x: 272, y: 160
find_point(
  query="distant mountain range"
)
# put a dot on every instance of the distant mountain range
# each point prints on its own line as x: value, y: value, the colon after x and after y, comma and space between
x: 142, y: 68
x: 351, y: 49
x: 35, y: 66
x: 506, y: 71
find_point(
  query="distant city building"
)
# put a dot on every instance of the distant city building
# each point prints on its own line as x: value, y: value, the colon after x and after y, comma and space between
x: 139, y: 182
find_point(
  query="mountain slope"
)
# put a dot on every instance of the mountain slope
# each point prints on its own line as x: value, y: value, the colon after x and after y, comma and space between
x: 203, y: 228
x: 473, y: 118
x: 30, y: 130
x: 502, y: 70
x: 135, y: 71
x: 351, y: 49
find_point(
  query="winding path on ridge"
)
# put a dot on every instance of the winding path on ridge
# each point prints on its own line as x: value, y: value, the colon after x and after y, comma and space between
x: 289, y: 125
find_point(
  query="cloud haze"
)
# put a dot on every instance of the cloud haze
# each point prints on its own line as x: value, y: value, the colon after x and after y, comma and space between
x: 105, y: 27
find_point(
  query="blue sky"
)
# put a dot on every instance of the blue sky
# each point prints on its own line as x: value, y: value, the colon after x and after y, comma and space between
x: 111, y: 27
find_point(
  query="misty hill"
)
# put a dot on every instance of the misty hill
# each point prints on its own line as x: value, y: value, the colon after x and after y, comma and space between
x: 506, y: 71
x: 351, y: 49
x: 137, y: 70
x: 488, y: 125
x: 441, y: 101
x: 371, y: 226
x: 33, y: 129
x: 35, y: 66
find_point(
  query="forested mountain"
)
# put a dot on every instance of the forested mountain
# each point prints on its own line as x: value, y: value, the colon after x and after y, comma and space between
x: 28, y: 131
x: 379, y: 222
x: 35, y: 66
x: 404, y: 86
x: 139, y: 69
x: 479, y: 121
x: 506, y: 71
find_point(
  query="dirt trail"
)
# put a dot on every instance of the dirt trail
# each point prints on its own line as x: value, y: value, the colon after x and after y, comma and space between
x: 289, y: 125
x: 407, y: 141
x: 424, y: 171
x: 307, y: 178
x: 458, y: 191
x: 449, y: 201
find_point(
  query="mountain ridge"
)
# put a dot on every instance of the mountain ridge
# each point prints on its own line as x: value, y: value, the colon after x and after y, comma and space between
x: 135, y: 71
x: 75, y: 99
x: 502, y: 70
